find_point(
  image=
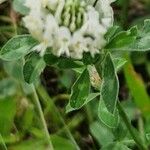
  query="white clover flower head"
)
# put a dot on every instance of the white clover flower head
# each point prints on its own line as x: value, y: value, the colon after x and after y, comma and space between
x: 69, y: 27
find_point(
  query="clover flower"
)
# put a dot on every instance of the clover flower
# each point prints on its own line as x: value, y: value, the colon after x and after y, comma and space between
x: 69, y: 27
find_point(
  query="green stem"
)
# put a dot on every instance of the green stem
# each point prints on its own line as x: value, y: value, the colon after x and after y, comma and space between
x: 141, y: 128
x: 39, y: 108
x: 2, y: 141
x: 68, y: 132
x: 129, y: 127
x: 42, y: 92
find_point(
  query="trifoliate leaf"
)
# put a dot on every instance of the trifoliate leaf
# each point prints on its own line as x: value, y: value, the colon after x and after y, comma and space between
x: 17, y: 47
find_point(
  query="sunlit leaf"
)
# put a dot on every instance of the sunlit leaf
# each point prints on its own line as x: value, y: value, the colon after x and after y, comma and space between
x: 17, y: 47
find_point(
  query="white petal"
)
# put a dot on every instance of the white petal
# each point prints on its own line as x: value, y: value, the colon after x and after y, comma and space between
x: 50, y: 30
x: 64, y: 37
x: 35, y: 25
x: 41, y: 48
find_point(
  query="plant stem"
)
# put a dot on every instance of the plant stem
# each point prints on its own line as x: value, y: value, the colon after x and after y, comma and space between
x: 141, y: 128
x: 2, y: 141
x: 68, y: 132
x: 129, y: 127
x: 44, y: 95
x: 39, y: 108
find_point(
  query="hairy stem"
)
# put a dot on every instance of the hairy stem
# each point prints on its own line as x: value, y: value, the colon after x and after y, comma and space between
x: 39, y: 108
x: 44, y: 95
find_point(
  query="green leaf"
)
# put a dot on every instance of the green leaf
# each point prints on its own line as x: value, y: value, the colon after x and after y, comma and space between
x: 17, y: 47
x: 110, y: 86
x: 101, y: 133
x: 68, y: 63
x: 109, y: 119
x: 50, y: 59
x: 7, y: 113
x: 62, y: 62
x: 120, y: 132
x: 80, y: 90
x: 119, y: 63
x: 19, y: 7
x: 142, y: 42
x: 7, y: 88
x: 15, y: 69
x: 132, y: 40
x: 88, y: 59
x: 112, y: 32
x: 123, y: 39
x: 33, y: 68
x: 91, y: 97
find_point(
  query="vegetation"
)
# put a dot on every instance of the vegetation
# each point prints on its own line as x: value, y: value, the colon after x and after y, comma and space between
x: 75, y: 84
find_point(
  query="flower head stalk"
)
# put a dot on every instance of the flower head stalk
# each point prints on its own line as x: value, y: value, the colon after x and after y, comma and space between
x: 69, y: 27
